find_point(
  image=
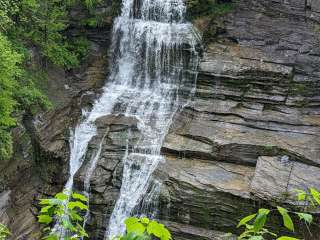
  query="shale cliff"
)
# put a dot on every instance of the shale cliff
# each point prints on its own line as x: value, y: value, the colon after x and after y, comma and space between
x: 250, y: 135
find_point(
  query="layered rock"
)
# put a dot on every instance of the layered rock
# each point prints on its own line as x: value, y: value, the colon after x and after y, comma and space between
x: 116, y: 136
x: 252, y: 133
x: 39, y: 167
x: 248, y: 138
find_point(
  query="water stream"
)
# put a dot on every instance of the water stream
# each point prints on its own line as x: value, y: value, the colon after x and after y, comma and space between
x: 153, y: 74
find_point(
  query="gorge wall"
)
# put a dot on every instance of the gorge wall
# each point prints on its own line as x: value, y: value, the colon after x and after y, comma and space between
x: 249, y: 137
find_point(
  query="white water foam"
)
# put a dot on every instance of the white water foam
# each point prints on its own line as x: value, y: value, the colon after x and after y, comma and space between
x: 152, y: 76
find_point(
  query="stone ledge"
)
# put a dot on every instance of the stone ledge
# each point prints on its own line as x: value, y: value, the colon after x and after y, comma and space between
x: 276, y: 178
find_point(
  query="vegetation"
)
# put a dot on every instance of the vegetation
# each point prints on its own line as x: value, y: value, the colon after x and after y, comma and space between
x: 144, y: 229
x: 65, y: 210
x: 212, y: 8
x: 204, y: 15
x: 17, y: 93
x: 255, y: 224
x: 39, y: 25
x: 4, y: 232
x: 42, y: 23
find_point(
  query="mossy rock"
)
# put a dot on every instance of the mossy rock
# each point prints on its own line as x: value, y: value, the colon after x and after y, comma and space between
x: 208, y: 8
x: 205, y: 15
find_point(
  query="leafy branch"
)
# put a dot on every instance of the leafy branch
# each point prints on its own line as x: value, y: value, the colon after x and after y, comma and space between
x: 64, y: 210
x: 254, y: 224
x: 4, y: 232
x: 144, y: 229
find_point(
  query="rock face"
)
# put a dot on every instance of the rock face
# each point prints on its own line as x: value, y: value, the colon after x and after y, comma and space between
x: 39, y: 167
x: 249, y: 137
x: 252, y: 132
x: 116, y: 136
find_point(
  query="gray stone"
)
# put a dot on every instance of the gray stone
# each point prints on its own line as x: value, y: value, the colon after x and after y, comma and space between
x: 277, y: 180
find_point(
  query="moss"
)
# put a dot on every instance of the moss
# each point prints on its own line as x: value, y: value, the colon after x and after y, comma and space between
x: 269, y: 150
x: 102, y: 18
x: 317, y: 28
x: 211, y: 8
x: 298, y: 89
x: 205, y: 16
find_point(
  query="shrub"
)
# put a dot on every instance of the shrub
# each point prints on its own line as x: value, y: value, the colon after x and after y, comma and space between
x: 62, y: 216
x: 4, y: 232
x: 144, y: 229
x: 255, y: 224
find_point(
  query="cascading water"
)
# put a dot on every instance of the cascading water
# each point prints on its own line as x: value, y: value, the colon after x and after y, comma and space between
x: 152, y: 76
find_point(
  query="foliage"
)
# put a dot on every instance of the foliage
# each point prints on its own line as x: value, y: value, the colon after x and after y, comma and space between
x: 91, y: 3
x: 201, y: 8
x: 9, y: 73
x: 65, y: 210
x: 205, y: 16
x: 42, y: 26
x: 144, y: 229
x: 255, y: 224
x: 7, y: 9
x: 62, y: 218
x: 312, y: 197
x: 4, y: 232
x: 42, y: 23
x: 17, y: 92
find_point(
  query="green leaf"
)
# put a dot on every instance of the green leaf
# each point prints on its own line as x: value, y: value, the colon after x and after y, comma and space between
x: 245, y: 235
x: 130, y: 236
x: 4, y: 231
x: 260, y: 219
x: 61, y: 196
x: 67, y: 225
x: 264, y: 211
x: 154, y: 228
x: 145, y: 220
x: 82, y: 231
x: 246, y: 219
x: 315, y: 194
x: 44, y: 201
x: 301, y: 195
x: 75, y: 216
x: 287, y: 238
x: 166, y: 235
x: 130, y: 221
x: 137, y: 228
x: 51, y: 201
x: 45, y: 209
x: 77, y: 204
x: 158, y: 230
x: 80, y: 197
x: 287, y: 221
x: 51, y: 237
x: 46, y: 219
x: 305, y: 216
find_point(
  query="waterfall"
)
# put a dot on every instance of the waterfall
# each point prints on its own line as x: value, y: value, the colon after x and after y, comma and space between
x: 152, y: 76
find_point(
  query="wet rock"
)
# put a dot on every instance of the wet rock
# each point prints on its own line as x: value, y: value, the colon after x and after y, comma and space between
x: 116, y: 135
x: 257, y: 100
x: 39, y: 167
x: 186, y: 232
x: 4, y: 204
x: 209, y: 195
x: 276, y: 179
